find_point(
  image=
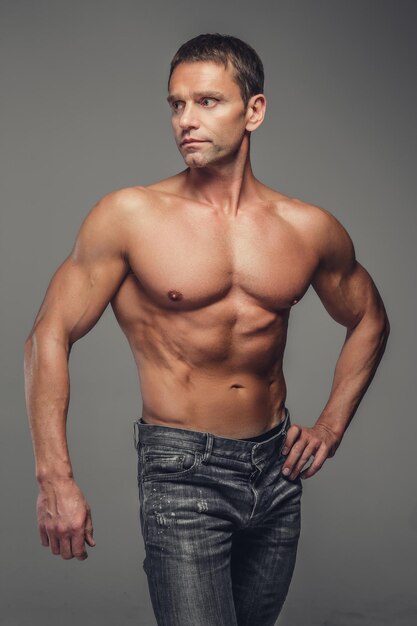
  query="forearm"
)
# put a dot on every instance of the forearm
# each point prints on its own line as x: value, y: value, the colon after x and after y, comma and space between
x: 358, y: 361
x: 47, y: 399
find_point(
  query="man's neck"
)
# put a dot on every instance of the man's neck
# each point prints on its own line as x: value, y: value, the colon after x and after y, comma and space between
x: 226, y: 186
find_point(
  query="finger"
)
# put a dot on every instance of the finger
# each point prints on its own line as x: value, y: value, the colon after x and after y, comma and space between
x: 291, y: 437
x: 78, y: 547
x: 54, y: 543
x: 65, y: 547
x: 309, y: 451
x: 89, y: 538
x: 294, y: 456
x: 89, y: 531
x: 43, y: 536
x: 305, y: 456
x: 319, y: 459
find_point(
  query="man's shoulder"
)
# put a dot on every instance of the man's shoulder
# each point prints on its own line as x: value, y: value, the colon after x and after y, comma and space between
x: 142, y: 196
x: 110, y: 219
x: 331, y: 239
x: 121, y: 208
x: 123, y: 199
x: 302, y: 213
x: 315, y: 225
x: 309, y: 218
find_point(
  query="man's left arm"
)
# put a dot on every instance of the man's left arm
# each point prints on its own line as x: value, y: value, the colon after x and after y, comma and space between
x: 350, y: 296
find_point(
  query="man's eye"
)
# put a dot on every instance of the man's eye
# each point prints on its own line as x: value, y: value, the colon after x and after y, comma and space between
x: 178, y: 104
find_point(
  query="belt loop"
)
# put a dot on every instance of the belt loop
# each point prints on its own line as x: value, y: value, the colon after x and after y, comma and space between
x: 287, y: 424
x: 209, y: 446
x: 135, y: 434
x: 288, y: 418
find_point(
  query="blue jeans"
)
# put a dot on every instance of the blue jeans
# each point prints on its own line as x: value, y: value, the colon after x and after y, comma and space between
x: 220, y: 525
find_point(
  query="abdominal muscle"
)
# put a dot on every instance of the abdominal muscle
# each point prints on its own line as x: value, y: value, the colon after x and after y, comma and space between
x: 238, y: 406
x: 207, y: 370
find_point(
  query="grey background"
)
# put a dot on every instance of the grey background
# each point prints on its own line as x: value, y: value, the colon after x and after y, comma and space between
x: 84, y: 113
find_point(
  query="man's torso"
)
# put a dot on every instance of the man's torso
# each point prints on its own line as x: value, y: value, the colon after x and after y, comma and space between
x: 206, y: 303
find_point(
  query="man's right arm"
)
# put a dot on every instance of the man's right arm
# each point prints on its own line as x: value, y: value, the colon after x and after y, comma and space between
x: 77, y: 295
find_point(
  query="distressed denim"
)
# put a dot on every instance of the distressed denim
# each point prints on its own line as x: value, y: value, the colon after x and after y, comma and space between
x: 220, y: 524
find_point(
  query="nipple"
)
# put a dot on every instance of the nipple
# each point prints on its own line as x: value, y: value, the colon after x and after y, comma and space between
x: 175, y: 295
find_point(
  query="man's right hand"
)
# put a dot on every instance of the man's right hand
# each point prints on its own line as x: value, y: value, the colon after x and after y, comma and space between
x: 64, y: 519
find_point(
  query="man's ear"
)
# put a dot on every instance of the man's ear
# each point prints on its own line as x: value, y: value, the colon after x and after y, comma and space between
x: 255, y: 111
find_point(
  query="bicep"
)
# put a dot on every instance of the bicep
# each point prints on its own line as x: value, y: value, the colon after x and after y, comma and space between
x: 86, y: 281
x: 343, y: 285
x: 347, y: 296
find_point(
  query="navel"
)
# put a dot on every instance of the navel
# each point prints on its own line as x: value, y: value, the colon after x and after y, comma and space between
x: 174, y: 295
x: 236, y: 386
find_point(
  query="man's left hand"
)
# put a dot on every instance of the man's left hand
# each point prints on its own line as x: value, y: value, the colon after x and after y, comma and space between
x: 302, y: 443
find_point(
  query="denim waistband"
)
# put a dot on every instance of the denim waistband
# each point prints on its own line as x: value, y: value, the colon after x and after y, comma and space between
x: 264, y: 436
x: 210, y: 443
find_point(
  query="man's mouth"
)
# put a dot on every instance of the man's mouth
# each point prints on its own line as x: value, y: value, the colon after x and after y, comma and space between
x: 191, y: 140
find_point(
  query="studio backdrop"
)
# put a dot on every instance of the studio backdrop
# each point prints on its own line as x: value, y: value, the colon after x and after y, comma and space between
x: 84, y: 112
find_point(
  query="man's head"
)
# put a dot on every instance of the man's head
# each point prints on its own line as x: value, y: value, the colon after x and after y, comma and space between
x: 215, y: 89
x: 248, y: 70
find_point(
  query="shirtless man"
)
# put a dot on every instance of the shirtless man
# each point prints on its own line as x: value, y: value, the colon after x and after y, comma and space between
x: 202, y: 270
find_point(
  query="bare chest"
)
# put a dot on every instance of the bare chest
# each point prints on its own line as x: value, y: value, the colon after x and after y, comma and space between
x: 188, y: 260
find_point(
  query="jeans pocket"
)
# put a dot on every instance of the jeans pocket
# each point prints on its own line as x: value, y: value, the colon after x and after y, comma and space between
x: 167, y: 462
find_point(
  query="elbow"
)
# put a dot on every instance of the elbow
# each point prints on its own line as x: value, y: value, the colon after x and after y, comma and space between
x: 387, y: 326
x: 30, y: 340
x: 379, y: 318
x: 28, y: 345
x: 382, y: 330
x: 386, y: 329
x: 28, y: 356
x: 383, y: 323
x: 42, y: 338
x: 375, y: 327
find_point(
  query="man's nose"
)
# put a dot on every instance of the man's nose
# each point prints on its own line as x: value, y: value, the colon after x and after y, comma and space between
x: 188, y: 118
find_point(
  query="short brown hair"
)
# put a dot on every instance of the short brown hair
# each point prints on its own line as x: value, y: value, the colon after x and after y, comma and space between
x: 249, y: 70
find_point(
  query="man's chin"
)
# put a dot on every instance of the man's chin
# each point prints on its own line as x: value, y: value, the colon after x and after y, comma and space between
x: 195, y: 166
x: 195, y: 161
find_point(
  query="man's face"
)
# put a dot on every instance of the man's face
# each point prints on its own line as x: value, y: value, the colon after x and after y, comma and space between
x: 206, y: 105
